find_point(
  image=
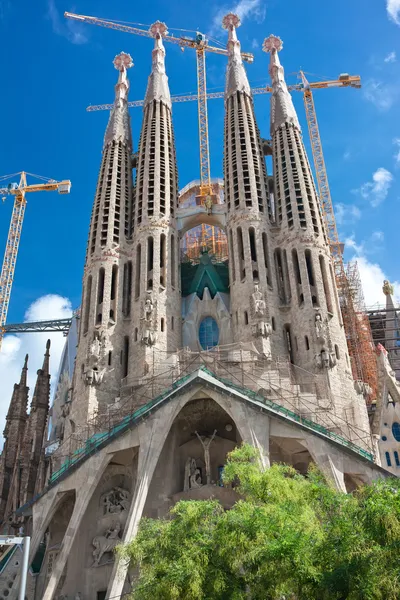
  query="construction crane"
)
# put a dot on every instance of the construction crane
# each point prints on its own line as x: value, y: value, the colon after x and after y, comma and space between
x: 344, y: 80
x: 201, y: 45
x: 356, y: 325
x: 18, y: 190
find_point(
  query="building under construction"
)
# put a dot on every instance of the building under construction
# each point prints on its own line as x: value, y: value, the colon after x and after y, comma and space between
x: 218, y: 315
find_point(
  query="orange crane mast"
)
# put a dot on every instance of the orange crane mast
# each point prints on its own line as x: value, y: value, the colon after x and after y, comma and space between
x: 18, y: 190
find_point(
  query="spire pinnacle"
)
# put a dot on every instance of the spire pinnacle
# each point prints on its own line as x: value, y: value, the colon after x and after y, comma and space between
x: 282, y: 109
x: 118, y: 128
x: 122, y: 62
x: 157, y: 87
x: 24, y: 372
x: 236, y: 78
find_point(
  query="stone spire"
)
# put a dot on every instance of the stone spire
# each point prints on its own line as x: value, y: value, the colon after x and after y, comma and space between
x: 17, y: 410
x: 108, y: 269
x: 118, y: 128
x: 236, y: 77
x: 31, y: 449
x: 13, y: 435
x: 282, y: 109
x: 248, y: 204
x: 156, y: 319
x: 157, y: 87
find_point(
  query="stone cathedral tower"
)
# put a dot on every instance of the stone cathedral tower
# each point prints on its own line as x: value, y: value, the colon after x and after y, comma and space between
x: 308, y: 299
x: 156, y: 324
x: 249, y: 216
x: 103, y: 346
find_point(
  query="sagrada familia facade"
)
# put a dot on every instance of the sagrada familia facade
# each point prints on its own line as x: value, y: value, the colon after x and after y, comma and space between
x: 179, y: 361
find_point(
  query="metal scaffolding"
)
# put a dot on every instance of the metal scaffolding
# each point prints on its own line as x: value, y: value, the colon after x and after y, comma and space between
x: 360, y: 342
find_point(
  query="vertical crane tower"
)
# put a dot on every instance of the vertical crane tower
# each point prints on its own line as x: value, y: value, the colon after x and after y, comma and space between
x: 18, y: 190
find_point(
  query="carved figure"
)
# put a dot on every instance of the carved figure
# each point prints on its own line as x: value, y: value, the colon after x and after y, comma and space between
x: 208, y: 203
x: 206, y: 443
x: 95, y: 346
x: 93, y: 376
x: 148, y: 336
x: 325, y: 359
x: 320, y: 328
x: 387, y: 288
x: 116, y: 501
x: 106, y: 543
x: 258, y: 301
x: 193, y: 478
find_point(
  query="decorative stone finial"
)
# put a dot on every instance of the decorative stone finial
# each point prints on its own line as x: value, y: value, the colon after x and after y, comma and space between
x: 123, y: 60
x: 273, y: 42
x: 387, y: 288
x: 231, y: 20
x: 158, y: 28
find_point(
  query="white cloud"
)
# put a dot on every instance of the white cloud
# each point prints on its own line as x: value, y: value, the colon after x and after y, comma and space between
x: 393, y: 10
x: 346, y: 213
x: 372, y: 277
x: 376, y: 190
x: 255, y: 44
x: 377, y: 236
x: 396, y: 156
x: 254, y: 9
x: 371, y: 273
x: 15, y: 347
x: 390, y: 58
x: 71, y: 30
x: 382, y: 95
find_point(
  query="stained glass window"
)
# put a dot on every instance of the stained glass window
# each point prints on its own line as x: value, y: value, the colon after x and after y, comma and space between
x: 208, y: 333
x: 388, y: 461
x: 396, y: 431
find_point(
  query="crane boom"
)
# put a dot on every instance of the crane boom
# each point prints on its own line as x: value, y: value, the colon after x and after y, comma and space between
x: 352, y: 81
x: 14, y: 234
x: 184, y: 42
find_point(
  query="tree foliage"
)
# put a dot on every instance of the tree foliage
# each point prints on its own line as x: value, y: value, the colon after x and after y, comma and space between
x: 289, y: 537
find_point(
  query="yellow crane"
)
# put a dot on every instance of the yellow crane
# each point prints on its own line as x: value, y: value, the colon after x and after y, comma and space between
x: 18, y: 190
x: 201, y: 45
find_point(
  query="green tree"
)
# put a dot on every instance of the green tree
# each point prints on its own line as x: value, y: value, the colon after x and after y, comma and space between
x: 289, y: 537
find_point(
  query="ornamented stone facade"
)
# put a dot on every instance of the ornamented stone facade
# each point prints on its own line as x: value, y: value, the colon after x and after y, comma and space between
x: 176, y: 364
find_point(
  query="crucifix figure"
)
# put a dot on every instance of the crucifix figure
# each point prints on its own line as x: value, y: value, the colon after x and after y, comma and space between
x: 206, y: 443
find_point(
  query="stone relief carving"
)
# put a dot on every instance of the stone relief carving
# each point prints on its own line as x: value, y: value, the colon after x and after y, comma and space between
x: 115, y: 501
x: 260, y: 313
x: 325, y: 359
x: 320, y: 329
x: 149, y: 321
x: 106, y: 543
x: 193, y: 477
x: 93, y: 373
x: 94, y: 376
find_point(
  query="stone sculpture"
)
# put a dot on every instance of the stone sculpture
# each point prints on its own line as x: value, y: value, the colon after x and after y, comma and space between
x: 193, y: 479
x: 116, y: 501
x: 148, y: 319
x: 106, y: 543
x: 206, y: 443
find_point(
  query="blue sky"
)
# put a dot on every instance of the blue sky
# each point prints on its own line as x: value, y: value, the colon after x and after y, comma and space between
x: 52, y: 69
